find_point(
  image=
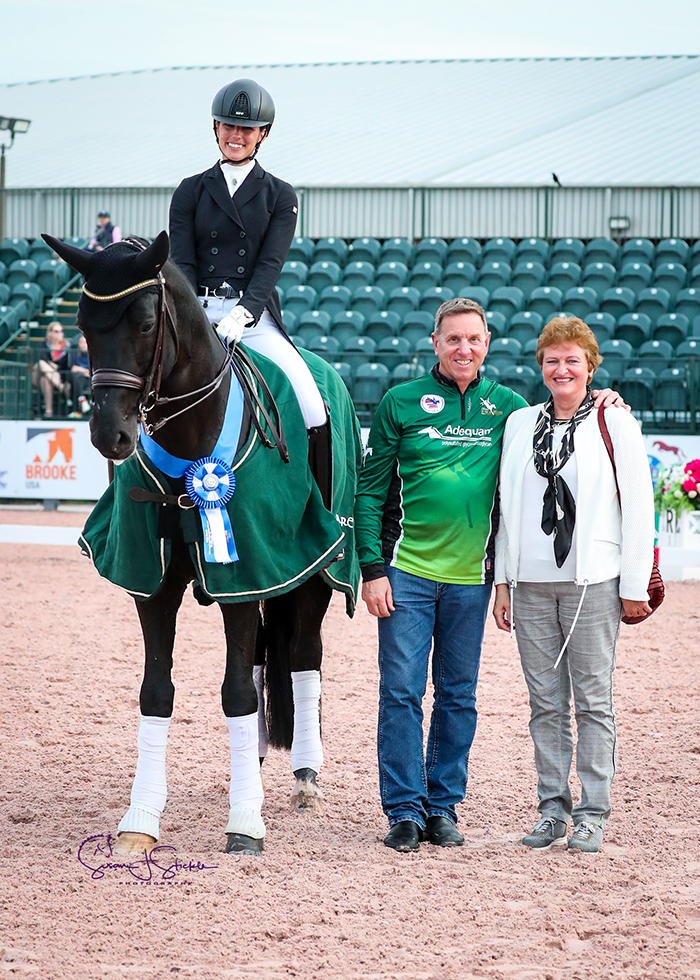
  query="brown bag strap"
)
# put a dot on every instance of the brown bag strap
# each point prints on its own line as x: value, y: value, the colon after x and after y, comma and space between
x: 609, y: 446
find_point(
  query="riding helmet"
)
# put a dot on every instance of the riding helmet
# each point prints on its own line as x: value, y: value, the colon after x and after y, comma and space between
x: 243, y: 103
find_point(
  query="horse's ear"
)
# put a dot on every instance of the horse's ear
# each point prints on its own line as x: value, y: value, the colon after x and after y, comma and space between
x: 155, y: 256
x: 78, y: 258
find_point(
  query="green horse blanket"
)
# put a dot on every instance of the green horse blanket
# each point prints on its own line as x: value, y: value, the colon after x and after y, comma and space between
x: 283, y: 532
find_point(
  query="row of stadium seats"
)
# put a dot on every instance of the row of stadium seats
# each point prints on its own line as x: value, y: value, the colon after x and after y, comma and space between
x: 16, y: 249
x: 468, y: 250
x: 51, y: 275
x: 526, y: 276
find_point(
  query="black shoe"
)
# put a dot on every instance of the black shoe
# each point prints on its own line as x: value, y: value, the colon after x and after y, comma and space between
x: 404, y: 836
x: 442, y: 832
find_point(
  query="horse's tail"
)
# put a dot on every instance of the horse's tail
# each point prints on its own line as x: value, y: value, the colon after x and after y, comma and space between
x: 278, y: 621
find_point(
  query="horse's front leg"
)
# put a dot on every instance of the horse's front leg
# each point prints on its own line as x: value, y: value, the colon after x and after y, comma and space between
x: 140, y: 826
x: 245, y: 830
x: 305, y: 656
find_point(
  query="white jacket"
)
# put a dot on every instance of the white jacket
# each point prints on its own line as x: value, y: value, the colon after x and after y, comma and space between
x: 607, y: 544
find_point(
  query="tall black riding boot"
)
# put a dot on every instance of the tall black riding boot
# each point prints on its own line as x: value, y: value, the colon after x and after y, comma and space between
x: 321, y: 460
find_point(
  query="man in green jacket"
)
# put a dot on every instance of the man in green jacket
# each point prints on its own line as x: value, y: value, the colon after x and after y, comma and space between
x: 425, y: 525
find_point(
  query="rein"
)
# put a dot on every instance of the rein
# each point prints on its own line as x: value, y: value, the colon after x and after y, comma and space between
x: 150, y: 385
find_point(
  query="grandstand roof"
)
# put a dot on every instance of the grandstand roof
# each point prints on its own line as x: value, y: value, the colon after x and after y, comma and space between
x: 498, y: 122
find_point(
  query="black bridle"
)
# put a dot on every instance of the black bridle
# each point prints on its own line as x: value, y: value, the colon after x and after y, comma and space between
x: 150, y: 385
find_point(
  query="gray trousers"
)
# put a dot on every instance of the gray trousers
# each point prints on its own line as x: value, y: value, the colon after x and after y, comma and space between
x: 543, y: 613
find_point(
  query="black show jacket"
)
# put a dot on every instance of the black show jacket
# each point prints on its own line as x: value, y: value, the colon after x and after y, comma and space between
x: 243, y: 240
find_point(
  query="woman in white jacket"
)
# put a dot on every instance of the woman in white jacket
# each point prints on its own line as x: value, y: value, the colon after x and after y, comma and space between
x: 567, y: 556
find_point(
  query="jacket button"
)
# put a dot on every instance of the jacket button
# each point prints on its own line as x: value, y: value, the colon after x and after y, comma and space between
x: 241, y: 269
x: 214, y: 234
x: 241, y: 251
x: 215, y: 251
x: 211, y: 268
x: 242, y: 234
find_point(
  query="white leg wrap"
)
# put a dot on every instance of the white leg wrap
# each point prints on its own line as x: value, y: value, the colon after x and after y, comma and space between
x: 149, y: 791
x: 246, y: 793
x: 263, y: 740
x: 307, y: 751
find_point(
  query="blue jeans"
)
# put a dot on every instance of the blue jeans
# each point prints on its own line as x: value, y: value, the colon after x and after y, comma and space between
x: 415, y: 786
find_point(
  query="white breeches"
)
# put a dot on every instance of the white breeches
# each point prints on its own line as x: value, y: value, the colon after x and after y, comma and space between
x: 267, y: 339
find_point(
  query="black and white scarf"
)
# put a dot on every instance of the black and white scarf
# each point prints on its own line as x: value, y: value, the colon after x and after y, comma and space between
x: 558, y: 504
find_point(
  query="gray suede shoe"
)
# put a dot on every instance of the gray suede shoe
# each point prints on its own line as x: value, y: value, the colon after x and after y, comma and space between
x: 586, y: 837
x: 547, y: 832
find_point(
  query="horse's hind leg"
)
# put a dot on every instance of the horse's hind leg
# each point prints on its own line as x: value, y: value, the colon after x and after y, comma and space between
x: 140, y: 826
x: 305, y: 657
x: 245, y: 830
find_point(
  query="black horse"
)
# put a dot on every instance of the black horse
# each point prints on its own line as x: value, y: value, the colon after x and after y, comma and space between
x: 163, y: 386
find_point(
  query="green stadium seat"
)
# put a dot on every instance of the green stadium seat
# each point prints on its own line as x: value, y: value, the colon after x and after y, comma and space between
x: 525, y: 325
x: 656, y: 354
x: 365, y: 250
x: 392, y: 351
x: 391, y: 275
x: 564, y: 275
x: 478, y: 294
x: 323, y: 274
x: 397, y: 250
x: 498, y: 250
x: 367, y: 300
x: 4, y: 293
x: 581, y: 301
x: 431, y: 250
x: 602, y: 250
x: 403, y: 300
x: 545, y: 300
x: 672, y: 250
x: 406, y: 372
x: 490, y: 372
x: 672, y: 327
x: 601, y: 379
x: 52, y: 276
x: 10, y: 316
x: 617, y: 301
x: 496, y: 323
x: 331, y: 250
x: 654, y: 302
x: 532, y: 250
x: 671, y: 391
x: 289, y: 321
x: 302, y: 250
x: 417, y: 325
x: 292, y: 274
x: 688, y: 357
x: 13, y: 249
x: 358, y: 350
x: 371, y: 384
x: 299, y: 299
x: 334, y: 299
x: 599, y: 276
x: 568, y: 250
x: 635, y: 276
x: 358, y: 274
x: 297, y: 341
x: 670, y: 276
x: 528, y: 276
x: 695, y: 327
x: 688, y: 303
x: 637, y: 388
x: 346, y: 324
x: 463, y: 250
x: 40, y: 252
x: 313, y: 323
x: 76, y: 241
x: 30, y: 292
x: 507, y: 300
x: 432, y: 299
x: 425, y: 354
x: 635, y: 328
x: 493, y: 274
x: 424, y: 275
x: 345, y: 372
x: 504, y: 351
x: 638, y: 250
x: 602, y: 325
x: 382, y: 324
x: 458, y: 276
x: 616, y: 356
x: 326, y: 347
x: 521, y: 378
x: 22, y: 270
x: 3, y: 271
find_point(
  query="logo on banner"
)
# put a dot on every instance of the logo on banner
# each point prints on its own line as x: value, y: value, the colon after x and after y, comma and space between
x: 54, y: 456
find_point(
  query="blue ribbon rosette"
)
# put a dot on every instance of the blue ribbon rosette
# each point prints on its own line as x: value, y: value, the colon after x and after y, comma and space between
x: 210, y: 484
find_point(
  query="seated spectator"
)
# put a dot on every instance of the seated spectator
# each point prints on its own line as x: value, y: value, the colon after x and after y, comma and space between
x: 80, y: 377
x: 50, y: 372
x: 105, y: 234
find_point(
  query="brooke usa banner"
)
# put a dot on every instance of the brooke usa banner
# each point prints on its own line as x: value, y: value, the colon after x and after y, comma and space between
x: 50, y: 461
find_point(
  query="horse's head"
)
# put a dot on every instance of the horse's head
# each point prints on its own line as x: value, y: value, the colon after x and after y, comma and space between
x: 120, y: 315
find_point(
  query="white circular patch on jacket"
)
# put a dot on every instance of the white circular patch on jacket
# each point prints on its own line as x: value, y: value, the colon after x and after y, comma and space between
x: 432, y: 404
